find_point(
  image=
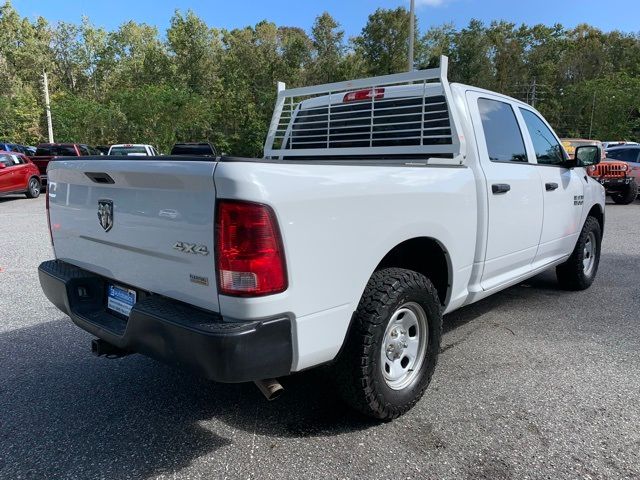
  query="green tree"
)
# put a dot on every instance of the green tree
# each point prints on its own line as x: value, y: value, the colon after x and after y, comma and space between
x: 137, y: 57
x: 196, y: 51
x: 197, y: 82
x: 471, y: 62
x: 436, y: 41
x: 383, y: 43
x: 605, y: 108
x: 328, y: 51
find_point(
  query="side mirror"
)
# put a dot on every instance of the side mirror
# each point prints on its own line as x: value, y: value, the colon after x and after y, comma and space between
x: 2, y: 166
x: 587, y: 155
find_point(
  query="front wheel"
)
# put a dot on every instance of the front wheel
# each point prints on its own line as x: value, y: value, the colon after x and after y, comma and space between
x: 392, y: 348
x: 579, y: 271
x: 33, y: 188
x: 628, y: 195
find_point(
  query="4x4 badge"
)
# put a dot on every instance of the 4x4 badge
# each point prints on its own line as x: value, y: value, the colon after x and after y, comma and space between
x: 105, y: 214
x: 193, y: 248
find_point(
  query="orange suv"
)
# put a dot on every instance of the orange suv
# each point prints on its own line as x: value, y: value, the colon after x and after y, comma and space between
x: 614, y: 175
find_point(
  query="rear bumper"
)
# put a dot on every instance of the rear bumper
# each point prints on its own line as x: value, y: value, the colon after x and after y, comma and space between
x: 171, y: 331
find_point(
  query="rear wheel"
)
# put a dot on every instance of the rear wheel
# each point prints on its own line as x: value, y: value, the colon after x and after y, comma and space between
x: 33, y: 188
x: 579, y: 271
x: 392, y: 348
x: 628, y: 195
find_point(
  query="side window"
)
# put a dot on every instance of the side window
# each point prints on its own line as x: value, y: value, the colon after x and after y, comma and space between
x: 17, y: 160
x: 548, y: 150
x: 84, y: 150
x: 501, y: 131
x: 6, y: 160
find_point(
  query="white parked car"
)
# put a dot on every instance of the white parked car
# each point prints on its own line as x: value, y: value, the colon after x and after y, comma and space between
x: 133, y: 150
x: 379, y: 205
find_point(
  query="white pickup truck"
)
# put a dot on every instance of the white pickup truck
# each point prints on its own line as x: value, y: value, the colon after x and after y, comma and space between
x: 133, y: 150
x: 379, y: 205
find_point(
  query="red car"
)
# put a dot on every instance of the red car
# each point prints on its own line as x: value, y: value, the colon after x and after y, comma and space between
x: 18, y: 174
x: 45, y: 152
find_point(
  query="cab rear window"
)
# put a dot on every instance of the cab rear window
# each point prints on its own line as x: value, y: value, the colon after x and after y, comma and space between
x: 387, y: 122
x: 193, y: 149
x: 128, y: 151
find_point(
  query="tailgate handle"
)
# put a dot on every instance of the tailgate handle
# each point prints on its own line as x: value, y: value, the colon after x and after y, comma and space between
x: 99, y: 177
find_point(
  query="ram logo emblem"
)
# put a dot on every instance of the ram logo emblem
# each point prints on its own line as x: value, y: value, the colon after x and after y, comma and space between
x: 105, y: 214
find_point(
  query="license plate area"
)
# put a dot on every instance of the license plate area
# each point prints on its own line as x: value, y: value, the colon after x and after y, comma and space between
x: 120, y: 300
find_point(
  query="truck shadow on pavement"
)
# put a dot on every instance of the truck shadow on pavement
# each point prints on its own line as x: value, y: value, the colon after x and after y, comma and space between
x: 65, y: 413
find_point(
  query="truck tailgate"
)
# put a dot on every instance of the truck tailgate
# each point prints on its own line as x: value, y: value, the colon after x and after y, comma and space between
x: 146, y: 224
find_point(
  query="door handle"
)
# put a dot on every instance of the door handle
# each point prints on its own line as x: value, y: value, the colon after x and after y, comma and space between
x: 500, y: 188
x: 550, y: 186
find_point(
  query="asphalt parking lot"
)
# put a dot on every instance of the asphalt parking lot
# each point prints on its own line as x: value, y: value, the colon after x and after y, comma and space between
x: 532, y: 383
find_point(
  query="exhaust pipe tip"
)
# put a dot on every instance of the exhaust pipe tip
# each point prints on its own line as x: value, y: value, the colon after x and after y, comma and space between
x: 95, y: 347
x: 270, y: 388
x: 100, y: 347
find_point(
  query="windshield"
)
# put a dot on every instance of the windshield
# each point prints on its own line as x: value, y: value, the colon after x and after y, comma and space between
x: 130, y: 150
x: 55, y: 150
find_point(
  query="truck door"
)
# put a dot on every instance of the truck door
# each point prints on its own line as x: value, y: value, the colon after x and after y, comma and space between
x: 514, y: 197
x: 562, y: 190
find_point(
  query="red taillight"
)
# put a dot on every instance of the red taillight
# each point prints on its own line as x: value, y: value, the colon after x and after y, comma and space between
x: 366, y: 94
x: 249, y: 254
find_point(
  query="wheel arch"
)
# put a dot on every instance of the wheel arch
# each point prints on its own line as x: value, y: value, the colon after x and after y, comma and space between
x: 597, y: 212
x: 424, y: 255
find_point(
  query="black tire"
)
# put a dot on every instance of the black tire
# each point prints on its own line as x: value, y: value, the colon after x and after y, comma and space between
x: 571, y: 274
x: 33, y: 188
x: 628, y: 195
x: 358, y: 370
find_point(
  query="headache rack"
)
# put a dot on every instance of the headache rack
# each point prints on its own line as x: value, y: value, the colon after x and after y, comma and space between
x: 404, y: 116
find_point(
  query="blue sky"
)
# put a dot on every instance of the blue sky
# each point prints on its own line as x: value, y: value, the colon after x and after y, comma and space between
x: 352, y: 14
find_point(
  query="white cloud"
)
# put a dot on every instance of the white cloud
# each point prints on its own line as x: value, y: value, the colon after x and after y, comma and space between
x: 430, y: 3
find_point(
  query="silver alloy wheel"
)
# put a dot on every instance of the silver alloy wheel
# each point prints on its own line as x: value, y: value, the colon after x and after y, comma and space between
x: 404, y: 346
x: 34, y: 187
x: 589, y: 254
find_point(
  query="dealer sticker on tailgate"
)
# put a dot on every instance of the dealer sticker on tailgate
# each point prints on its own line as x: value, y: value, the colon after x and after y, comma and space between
x: 121, y: 300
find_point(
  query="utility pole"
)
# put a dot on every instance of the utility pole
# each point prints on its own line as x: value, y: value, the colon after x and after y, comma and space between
x: 412, y: 22
x: 533, y: 94
x: 593, y: 109
x: 45, y: 82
